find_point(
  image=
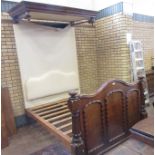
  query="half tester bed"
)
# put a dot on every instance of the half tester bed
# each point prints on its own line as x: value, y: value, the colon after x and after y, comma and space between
x: 86, y: 124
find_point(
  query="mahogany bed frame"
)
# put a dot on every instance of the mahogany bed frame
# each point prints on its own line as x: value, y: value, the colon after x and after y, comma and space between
x: 92, y: 124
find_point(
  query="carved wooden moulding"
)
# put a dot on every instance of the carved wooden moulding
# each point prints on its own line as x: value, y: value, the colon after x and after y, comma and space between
x: 40, y: 11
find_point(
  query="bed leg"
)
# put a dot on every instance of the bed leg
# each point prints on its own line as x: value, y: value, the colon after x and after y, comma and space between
x: 77, y: 145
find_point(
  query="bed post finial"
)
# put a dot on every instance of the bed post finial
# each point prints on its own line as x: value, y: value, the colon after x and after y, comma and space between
x: 143, y: 111
x: 77, y: 141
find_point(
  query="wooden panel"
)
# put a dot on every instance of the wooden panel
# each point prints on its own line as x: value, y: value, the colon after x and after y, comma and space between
x: 4, y: 131
x: 115, y: 115
x: 133, y: 107
x: 94, y: 125
x: 8, y: 112
x: 96, y: 129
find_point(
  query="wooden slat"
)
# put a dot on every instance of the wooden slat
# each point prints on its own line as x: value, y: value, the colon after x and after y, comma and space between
x: 59, y: 117
x: 47, y: 105
x: 62, y: 120
x: 65, y: 125
x: 55, y: 113
x: 8, y: 111
x: 64, y: 138
x: 53, y: 110
x: 68, y: 132
x: 50, y: 107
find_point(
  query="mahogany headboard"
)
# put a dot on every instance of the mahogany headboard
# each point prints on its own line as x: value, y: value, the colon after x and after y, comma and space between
x: 102, y: 120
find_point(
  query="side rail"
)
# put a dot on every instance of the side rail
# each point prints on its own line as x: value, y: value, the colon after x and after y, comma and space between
x: 101, y: 120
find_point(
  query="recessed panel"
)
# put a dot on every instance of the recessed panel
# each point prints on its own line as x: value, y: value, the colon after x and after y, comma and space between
x: 115, y: 115
x: 133, y: 107
x: 94, y: 126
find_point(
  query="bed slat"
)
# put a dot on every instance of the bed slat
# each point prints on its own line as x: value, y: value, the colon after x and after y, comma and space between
x: 62, y: 120
x: 55, y: 113
x: 53, y: 110
x: 50, y: 107
x: 47, y: 105
x: 65, y: 125
x: 49, y: 126
x: 59, y: 117
x: 68, y: 132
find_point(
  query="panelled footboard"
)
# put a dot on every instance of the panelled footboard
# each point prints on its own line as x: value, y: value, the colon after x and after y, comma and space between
x: 102, y: 120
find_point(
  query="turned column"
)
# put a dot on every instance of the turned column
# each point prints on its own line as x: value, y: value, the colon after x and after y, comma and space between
x: 77, y: 141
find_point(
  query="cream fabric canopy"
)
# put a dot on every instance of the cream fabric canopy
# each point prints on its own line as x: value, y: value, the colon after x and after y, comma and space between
x: 48, y: 62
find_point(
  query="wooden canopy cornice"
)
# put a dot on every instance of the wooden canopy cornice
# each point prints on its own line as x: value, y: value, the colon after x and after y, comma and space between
x: 40, y: 11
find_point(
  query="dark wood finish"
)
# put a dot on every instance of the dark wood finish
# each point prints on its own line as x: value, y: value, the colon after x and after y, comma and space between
x: 8, y: 111
x: 150, y: 81
x: 23, y: 9
x: 4, y: 131
x: 102, y: 120
x: 95, y: 123
x: 7, y: 118
x: 144, y: 130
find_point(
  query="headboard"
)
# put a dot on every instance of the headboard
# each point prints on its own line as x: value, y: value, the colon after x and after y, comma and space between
x: 104, y: 118
x: 48, y: 62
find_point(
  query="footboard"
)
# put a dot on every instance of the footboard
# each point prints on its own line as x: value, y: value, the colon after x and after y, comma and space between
x: 102, y: 120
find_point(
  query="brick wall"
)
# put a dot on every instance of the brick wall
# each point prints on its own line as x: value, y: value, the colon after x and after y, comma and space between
x: 102, y: 54
x: 9, y: 66
x: 87, y: 58
x: 113, y: 55
x: 112, y: 51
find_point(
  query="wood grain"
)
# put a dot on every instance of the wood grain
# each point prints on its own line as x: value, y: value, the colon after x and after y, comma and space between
x: 93, y: 124
x: 8, y: 112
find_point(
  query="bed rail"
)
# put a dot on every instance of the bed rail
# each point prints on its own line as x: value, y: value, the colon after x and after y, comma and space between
x: 102, y: 120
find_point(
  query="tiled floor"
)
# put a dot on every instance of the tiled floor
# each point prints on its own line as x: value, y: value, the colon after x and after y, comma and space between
x: 32, y: 138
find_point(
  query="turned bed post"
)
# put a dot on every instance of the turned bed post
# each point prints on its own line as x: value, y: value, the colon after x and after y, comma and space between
x: 77, y: 144
x: 143, y: 111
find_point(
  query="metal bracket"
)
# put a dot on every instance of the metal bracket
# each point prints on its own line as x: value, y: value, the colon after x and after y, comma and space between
x: 90, y: 21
